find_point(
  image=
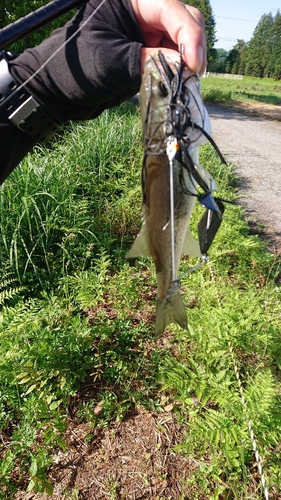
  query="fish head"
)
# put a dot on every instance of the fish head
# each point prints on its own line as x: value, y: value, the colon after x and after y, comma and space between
x: 155, y: 97
x: 171, y: 104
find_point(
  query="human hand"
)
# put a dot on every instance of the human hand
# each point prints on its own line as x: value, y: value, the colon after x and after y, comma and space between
x: 166, y: 24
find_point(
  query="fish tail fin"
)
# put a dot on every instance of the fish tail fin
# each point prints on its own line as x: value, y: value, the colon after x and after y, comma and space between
x: 169, y: 310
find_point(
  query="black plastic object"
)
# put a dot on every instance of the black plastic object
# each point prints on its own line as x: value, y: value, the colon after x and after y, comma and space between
x: 209, y: 225
x: 35, y: 20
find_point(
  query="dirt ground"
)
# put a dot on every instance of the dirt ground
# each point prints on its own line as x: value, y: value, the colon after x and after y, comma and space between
x: 130, y: 460
x: 133, y: 459
x: 269, y: 111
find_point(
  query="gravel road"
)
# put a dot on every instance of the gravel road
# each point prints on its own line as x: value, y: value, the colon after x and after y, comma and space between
x: 253, y: 144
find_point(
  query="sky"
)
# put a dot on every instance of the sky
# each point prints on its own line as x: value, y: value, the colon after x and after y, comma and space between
x: 237, y: 19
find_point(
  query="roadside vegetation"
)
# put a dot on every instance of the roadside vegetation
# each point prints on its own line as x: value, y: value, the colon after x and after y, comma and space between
x: 77, y: 321
x: 249, y: 89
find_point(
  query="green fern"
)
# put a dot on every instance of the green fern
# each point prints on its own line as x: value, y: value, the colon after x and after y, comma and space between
x: 88, y: 287
x: 8, y: 290
x: 195, y: 384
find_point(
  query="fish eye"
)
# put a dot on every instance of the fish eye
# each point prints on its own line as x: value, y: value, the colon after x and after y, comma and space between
x: 163, y: 89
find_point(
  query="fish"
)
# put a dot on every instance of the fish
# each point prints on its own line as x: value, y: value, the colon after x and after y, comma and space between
x: 166, y: 120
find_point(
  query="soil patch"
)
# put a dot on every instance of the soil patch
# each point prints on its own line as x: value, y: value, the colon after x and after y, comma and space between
x: 270, y: 111
x: 133, y: 459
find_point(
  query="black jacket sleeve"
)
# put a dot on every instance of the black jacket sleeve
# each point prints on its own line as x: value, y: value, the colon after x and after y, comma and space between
x: 97, y: 69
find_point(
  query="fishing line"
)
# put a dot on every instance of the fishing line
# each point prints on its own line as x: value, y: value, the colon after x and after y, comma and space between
x: 172, y: 148
x: 244, y: 403
x: 171, y: 164
x: 56, y: 51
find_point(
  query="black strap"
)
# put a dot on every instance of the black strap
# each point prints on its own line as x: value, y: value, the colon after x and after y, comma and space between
x: 22, y: 109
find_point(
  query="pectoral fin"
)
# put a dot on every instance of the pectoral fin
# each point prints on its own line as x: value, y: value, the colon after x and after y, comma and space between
x: 140, y: 247
x: 191, y: 247
x: 206, y: 176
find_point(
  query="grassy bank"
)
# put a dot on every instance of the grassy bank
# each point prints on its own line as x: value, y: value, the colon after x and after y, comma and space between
x: 248, y: 89
x: 77, y: 321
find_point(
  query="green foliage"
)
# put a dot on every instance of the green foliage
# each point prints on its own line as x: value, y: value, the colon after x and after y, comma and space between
x: 261, y: 56
x: 248, y: 89
x: 234, y: 62
x: 60, y: 221
x: 77, y: 335
x: 257, y: 56
x: 8, y: 290
x: 210, y: 25
x: 218, y: 64
x: 12, y: 10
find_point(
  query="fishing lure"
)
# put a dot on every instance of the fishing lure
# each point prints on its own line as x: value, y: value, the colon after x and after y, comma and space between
x: 179, y: 120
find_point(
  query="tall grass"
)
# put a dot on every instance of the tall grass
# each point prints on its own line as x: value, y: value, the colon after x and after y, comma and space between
x: 53, y: 217
x: 248, y: 89
x: 83, y: 312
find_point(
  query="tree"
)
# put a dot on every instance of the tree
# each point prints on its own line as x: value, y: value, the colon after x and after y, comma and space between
x: 275, y: 48
x: 233, y: 59
x: 259, y: 48
x: 210, y: 25
x: 218, y: 66
x: 261, y: 57
x: 12, y: 10
x: 242, y: 59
